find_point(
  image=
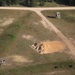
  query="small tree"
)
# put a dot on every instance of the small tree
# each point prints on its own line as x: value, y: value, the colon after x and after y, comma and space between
x: 15, y: 1
x: 3, y: 3
x: 42, y: 3
x: 72, y: 2
x: 0, y: 3
x: 9, y: 2
x: 33, y: 3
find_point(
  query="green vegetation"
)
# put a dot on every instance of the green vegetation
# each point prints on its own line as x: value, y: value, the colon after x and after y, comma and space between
x: 66, y: 23
x: 66, y: 2
x: 51, y: 4
x: 0, y: 74
x: 41, y: 68
x: 34, y: 3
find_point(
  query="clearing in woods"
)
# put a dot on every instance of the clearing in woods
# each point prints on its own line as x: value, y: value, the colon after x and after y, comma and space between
x: 15, y: 42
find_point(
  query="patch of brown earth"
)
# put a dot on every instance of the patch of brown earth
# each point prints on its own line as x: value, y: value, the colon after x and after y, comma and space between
x: 49, y: 47
x: 28, y: 37
x: 72, y: 40
x: 7, y: 22
x: 16, y: 59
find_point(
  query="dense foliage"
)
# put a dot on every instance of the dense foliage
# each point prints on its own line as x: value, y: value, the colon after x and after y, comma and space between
x: 67, y: 2
x: 33, y: 3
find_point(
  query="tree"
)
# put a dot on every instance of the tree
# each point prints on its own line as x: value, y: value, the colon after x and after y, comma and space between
x: 33, y: 3
x: 2, y: 2
x: 72, y: 2
x: 15, y: 1
x: 66, y: 2
x: 9, y: 2
x: 42, y: 3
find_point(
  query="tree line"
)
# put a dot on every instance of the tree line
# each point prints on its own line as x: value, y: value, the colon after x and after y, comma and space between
x: 66, y: 2
x: 8, y: 2
x: 30, y: 3
x: 33, y: 3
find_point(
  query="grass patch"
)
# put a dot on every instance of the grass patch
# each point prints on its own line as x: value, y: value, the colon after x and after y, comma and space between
x: 23, y: 24
x: 41, y: 68
x: 66, y: 23
x: 12, y: 43
x: 51, y: 4
x: 8, y: 36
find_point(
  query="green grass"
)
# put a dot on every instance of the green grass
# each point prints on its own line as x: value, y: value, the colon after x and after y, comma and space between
x: 66, y: 24
x: 41, y: 68
x: 51, y: 4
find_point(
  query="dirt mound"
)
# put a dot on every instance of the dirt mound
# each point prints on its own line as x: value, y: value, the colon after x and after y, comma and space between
x: 49, y: 47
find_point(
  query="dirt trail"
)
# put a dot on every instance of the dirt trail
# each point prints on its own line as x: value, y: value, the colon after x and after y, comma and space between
x: 38, y: 8
x: 49, y: 24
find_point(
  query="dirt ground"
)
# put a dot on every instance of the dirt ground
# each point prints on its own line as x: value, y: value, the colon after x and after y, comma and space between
x: 29, y: 37
x: 16, y: 60
x: 49, y: 47
x: 53, y: 46
x: 6, y: 22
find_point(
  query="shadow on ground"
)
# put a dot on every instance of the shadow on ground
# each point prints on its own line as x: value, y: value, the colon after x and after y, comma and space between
x: 51, y: 16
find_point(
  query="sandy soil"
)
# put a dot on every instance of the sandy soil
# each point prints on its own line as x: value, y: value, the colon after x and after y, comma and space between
x: 7, y: 22
x: 52, y: 46
x: 15, y: 59
x: 36, y: 23
x: 28, y: 37
x: 49, y: 47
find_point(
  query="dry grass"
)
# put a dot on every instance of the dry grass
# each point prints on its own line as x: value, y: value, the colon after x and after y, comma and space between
x: 12, y: 43
x: 11, y: 40
x: 66, y: 24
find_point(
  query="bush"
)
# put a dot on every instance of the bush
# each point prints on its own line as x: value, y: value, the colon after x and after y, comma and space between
x: 10, y: 36
x: 41, y: 3
x: 0, y: 74
x: 3, y: 3
x: 55, y: 67
x: 70, y: 66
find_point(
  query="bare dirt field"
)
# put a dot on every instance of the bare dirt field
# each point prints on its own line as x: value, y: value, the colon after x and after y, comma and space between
x: 49, y: 47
